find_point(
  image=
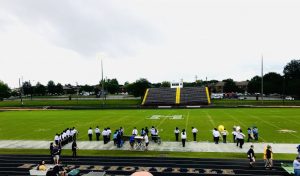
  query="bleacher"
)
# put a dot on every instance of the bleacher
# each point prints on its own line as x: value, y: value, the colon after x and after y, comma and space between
x: 160, y: 96
x: 176, y: 96
x: 193, y: 96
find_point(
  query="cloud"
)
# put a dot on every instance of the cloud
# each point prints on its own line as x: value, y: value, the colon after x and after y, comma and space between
x: 159, y: 40
x: 86, y: 27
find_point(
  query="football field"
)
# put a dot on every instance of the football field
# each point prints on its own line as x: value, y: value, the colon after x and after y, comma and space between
x: 280, y: 125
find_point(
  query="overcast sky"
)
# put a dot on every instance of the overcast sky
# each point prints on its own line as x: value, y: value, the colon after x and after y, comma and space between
x: 154, y: 39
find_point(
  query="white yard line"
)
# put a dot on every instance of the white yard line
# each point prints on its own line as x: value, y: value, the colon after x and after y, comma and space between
x: 211, y: 120
x: 187, y: 120
x: 268, y: 123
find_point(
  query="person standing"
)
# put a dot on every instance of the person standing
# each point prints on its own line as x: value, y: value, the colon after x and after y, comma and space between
x: 121, y: 131
x: 131, y: 141
x: 143, y: 132
x: 269, y: 158
x: 97, y: 132
x: 90, y: 133
x: 115, y: 137
x: 146, y: 138
x: 296, y: 165
x: 108, y: 134
x: 147, y: 131
x: 176, y: 132
x: 105, y: 134
x: 240, y: 139
x: 56, y: 139
x: 255, y: 133
x: 183, y: 137
x: 194, y: 131
x: 234, y: 133
x: 56, y: 154
x: 224, y: 135
x: 74, y: 149
x: 51, y: 151
x: 119, y: 140
x: 216, y: 135
x: 249, y: 131
x: 298, y: 149
x: 251, y: 156
x: 135, y: 131
x: 152, y: 131
x: 74, y: 133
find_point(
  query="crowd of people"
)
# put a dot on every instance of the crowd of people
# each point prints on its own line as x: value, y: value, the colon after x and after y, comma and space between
x: 61, y: 139
x: 66, y: 136
x: 70, y: 134
x: 217, y: 133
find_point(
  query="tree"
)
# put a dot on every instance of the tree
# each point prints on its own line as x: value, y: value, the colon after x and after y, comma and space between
x: 40, y: 89
x: 254, y: 85
x: 112, y: 86
x: 273, y: 83
x: 292, y: 70
x: 51, y: 87
x: 15, y: 93
x: 139, y: 87
x: 27, y: 88
x: 59, y: 89
x: 4, y: 90
x: 86, y: 88
x: 229, y: 86
x: 292, y: 78
x: 165, y: 84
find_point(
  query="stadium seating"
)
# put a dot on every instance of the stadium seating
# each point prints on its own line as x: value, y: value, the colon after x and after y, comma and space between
x: 179, y: 96
x: 193, y: 96
x: 160, y: 96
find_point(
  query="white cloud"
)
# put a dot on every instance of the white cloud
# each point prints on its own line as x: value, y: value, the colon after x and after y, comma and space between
x: 160, y: 40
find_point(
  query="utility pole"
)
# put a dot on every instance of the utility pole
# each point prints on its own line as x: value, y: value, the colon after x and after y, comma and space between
x: 262, y: 79
x: 77, y: 91
x: 102, y: 82
x: 20, y: 87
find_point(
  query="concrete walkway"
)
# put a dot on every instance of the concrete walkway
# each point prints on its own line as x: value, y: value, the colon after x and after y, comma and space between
x: 164, y: 146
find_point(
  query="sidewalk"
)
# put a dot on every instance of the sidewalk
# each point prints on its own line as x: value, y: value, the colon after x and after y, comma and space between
x: 164, y: 146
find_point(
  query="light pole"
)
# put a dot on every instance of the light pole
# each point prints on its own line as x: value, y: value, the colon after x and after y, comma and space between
x: 21, y: 90
x: 77, y: 91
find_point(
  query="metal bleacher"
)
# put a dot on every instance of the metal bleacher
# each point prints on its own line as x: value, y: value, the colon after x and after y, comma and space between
x: 176, y: 97
x: 193, y: 96
x: 161, y: 96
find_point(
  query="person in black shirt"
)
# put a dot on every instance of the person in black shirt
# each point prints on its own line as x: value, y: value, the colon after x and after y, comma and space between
x: 56, y: 154
x: 147, y: 131
x: 269, y: 161
x: 51, y: 151
x: 74, y: 149
x: 176, y: 132
x: 251, y: 156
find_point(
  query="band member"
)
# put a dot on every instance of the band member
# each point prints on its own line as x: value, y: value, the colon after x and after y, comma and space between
x: 224, y: 135
x: 90, y: 133
x: 194, y: 131
x: 97, y: 132
x: 183, y: 137
x: 176, y: 132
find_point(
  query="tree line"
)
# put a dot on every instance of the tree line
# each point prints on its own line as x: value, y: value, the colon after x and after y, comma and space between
x: 286, y: 84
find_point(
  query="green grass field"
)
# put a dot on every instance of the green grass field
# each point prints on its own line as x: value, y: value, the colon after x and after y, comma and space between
x: 42, y: 125
x: 90, y: 103
x: 123, y: 103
